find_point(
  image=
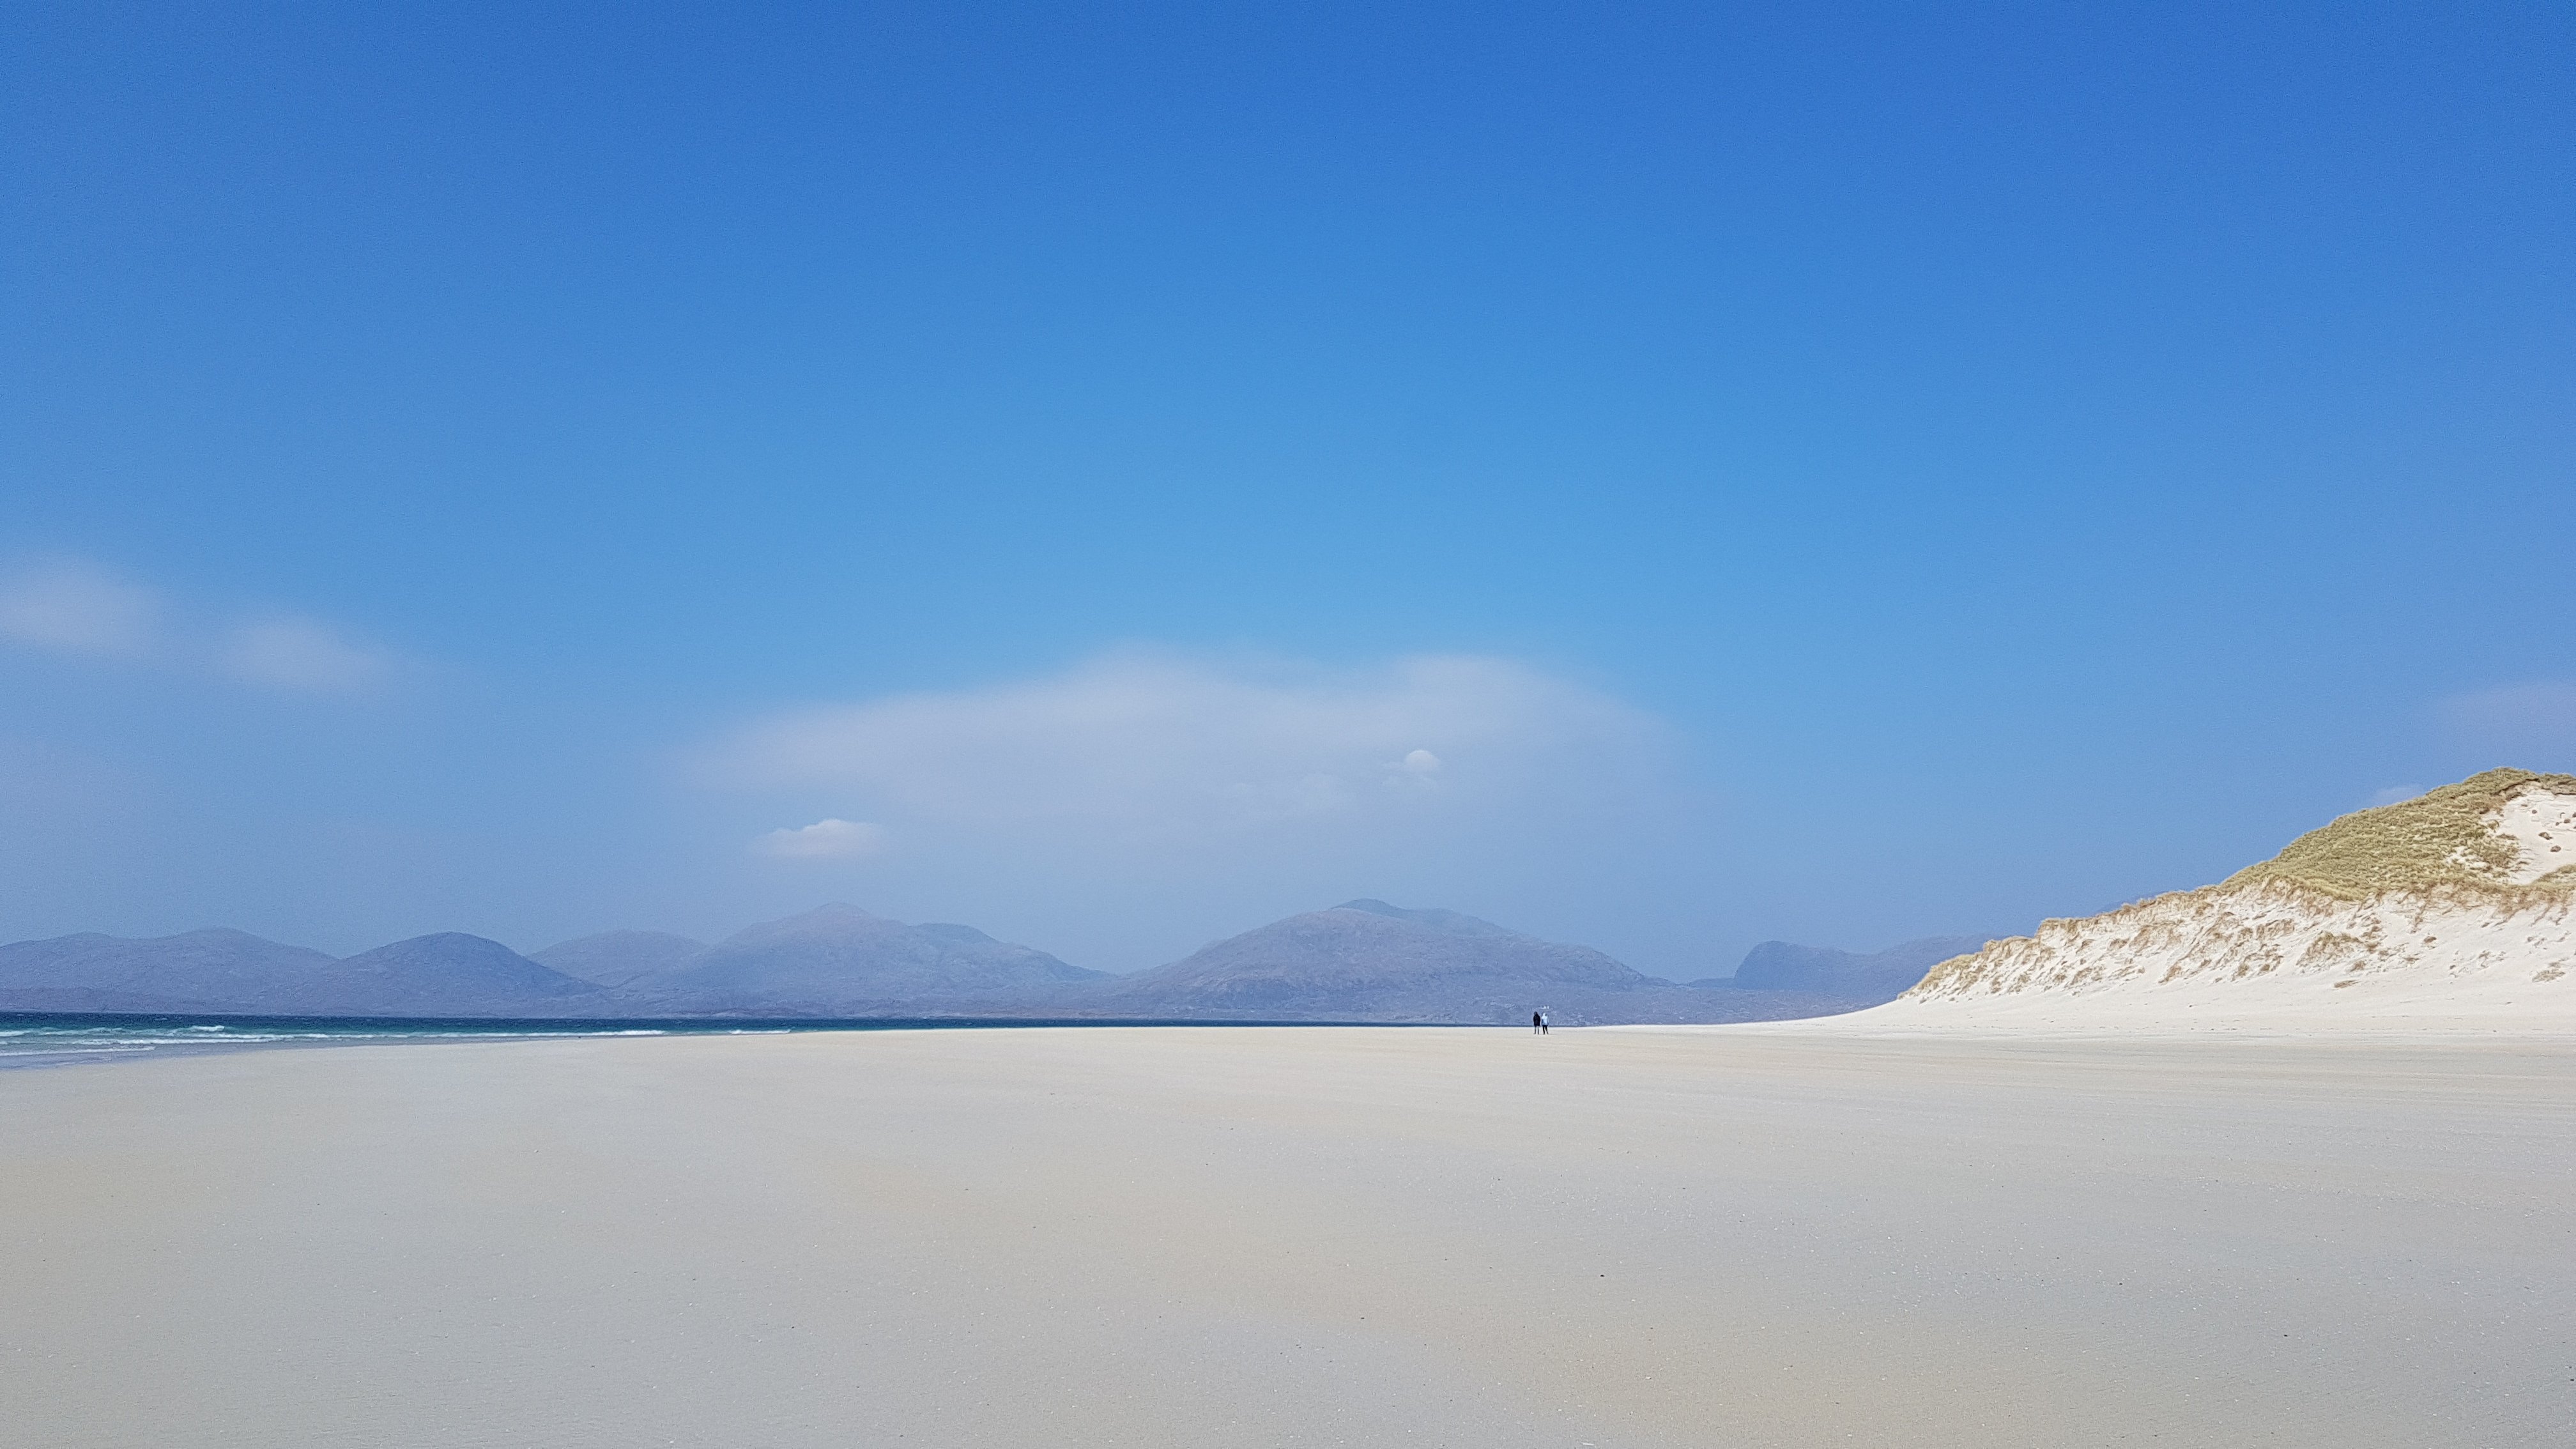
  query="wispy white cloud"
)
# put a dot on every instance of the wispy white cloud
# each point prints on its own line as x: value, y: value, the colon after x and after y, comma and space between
x: 1209, y: 794
x: 302, y: 655
x: 1145, y: 750
x: 823, y: 840
x: 77, y: 607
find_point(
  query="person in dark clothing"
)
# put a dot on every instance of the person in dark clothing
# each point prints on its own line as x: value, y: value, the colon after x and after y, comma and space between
x: 1538, y: 1023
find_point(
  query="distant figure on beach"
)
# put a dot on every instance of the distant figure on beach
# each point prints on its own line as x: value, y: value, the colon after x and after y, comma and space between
x: 1538, y: 1023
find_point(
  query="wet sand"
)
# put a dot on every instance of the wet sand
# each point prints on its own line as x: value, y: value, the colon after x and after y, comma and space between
x: 1194, y: 1237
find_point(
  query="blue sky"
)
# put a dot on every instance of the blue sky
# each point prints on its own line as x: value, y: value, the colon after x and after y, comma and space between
x: 1838, y: 473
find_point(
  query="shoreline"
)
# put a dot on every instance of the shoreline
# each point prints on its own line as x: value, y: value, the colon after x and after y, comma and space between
x: 47, y: 1039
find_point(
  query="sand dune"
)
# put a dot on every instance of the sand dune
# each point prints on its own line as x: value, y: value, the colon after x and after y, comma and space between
x: 2267, y: 958
x: 2449, y: 913
x: 1294, y: 1237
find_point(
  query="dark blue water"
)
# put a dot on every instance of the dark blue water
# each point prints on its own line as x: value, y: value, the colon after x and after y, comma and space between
x: 48, y: 1039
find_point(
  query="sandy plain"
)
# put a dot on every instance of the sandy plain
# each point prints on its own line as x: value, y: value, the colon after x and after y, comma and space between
x: 1296, y: 1237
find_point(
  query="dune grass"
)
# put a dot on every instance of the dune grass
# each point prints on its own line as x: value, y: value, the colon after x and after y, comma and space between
x: 2440, y: 838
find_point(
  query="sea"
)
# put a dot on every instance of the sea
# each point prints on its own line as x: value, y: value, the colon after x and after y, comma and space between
x: 63, y: 1039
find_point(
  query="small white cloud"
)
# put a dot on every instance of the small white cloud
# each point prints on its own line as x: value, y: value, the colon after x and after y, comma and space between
x: 1422, y: 762
x: 78, y: 608
x: 301, y: 654
x: 2394, y: 794
x: 823, y: 840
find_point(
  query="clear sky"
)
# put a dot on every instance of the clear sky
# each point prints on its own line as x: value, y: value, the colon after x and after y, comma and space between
x: 1660, y: 477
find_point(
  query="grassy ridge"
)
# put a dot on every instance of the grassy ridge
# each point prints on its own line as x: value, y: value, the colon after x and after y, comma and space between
x: 2441, y: 838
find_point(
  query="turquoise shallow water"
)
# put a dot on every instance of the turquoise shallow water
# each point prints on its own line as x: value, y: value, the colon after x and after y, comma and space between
x: 32, y: 1040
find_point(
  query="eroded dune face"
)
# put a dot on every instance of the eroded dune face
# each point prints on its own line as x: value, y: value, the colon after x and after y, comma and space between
x: 2542, y: 824
x: 2453, y: 909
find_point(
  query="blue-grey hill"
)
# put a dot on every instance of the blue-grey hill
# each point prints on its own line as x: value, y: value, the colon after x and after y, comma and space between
x: 215, y: 970
x: 453, y: 974
x: 1870, y: 979
x: 1366, y: 960
x: 226, y: 972
x: 842, y: 961
x: 614, y: 958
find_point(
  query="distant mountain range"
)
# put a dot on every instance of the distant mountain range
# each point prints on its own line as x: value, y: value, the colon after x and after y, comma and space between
x: 214, y: 970
x: 223, y: 971
x: 836, y: 961
x: 1364, y: 960
x: 2457, y: 904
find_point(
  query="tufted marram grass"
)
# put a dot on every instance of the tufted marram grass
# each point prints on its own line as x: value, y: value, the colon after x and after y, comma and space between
x: 2444, y: 837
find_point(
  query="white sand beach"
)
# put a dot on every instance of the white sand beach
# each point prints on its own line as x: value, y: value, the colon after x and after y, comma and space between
x: 1196, y: 1237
